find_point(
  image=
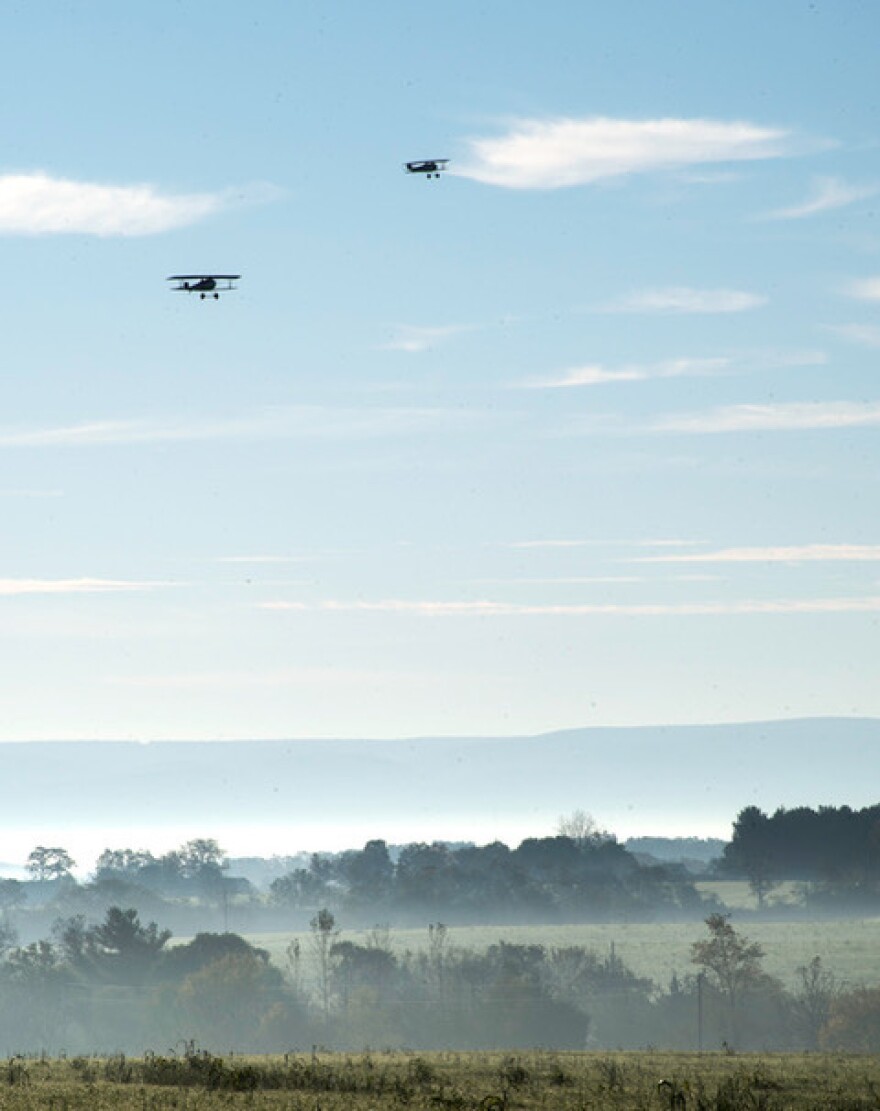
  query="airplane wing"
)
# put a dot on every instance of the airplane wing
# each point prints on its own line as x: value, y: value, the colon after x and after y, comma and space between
x: 201, y: 277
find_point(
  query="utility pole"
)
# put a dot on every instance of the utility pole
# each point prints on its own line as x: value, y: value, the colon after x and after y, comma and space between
x: 700, y: 977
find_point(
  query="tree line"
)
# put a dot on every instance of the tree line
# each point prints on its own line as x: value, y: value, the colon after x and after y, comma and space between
x: 121, y: 984
x: 581, y: 876
x: 835, y: 851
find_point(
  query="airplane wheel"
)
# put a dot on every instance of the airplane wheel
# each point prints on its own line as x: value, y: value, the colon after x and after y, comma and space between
x: 216, y: 296
x: 201, y: 296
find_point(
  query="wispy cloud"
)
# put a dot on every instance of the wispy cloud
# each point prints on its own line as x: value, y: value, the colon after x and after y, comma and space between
x: 396, y: 606
x: 666, y: 542
x: 552, y: 154
x: 38, y: 204
x: 261, y: 559
x: 598, y: 375
x: 785, y: 417
x: 282, y: 677
x: 827, y: 193
x: 684, y: 299
x: 569, y: 580
x: 415, y: 338
x: 31, y: 493
x: 312, y: 422
x: 864, y: 289
x: 804, y: 553
x: 11, y: 587
x: 867, y: 335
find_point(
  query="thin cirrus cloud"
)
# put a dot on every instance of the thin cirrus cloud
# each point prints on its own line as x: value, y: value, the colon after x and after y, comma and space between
x: 799, y: 416
x: 684, y: 300
x: 804, y: 553
x: 556, y: 153
x: 595, y: 374
x: 598, y: 375
x: 408, y: 608
x: 865, y: 289
x: 314, y: 422
x: 414, y: 338
x: 866, y: 335
x: 39, y: 204
x: 16, y: 587
x: 827, y: 194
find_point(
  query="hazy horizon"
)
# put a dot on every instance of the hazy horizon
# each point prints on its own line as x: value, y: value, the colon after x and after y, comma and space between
x: 272, y: 797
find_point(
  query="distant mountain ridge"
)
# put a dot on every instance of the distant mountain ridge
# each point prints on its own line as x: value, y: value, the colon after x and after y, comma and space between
x: 676, y: 780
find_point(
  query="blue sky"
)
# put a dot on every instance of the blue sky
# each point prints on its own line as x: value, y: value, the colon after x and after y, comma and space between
x: 585, y: 433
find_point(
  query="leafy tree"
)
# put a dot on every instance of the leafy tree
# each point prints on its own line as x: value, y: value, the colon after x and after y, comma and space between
x: 46, y: 864
x: 370, y: 874
x: 300, y: 888
x: 122, y: 863
x: 751, y: 852
x: 128, y: 948
x: 205, y: 949
x: 733, y: 964
x: 362, y: 966
x: 35, y: 983
x: 854, y: 1022
x: 119, y: 950
x: 12, y: 895
x: 225, y: 1002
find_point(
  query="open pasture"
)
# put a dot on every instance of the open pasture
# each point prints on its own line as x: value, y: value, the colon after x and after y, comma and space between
x: 849, y: 947
x: 532, y: 1081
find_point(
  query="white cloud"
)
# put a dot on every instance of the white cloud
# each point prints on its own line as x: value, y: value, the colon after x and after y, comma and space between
x: 552, y: 154
x: 270, y: 559
x: 791, y: 416
x: 827, y: 193
x: 31, y: 493
x: 37, y: 204
x: 597, y: 375
x: 805, y: 553
x: 415, y: 338
x: 396, y: 606
x: 283, y: 677
x: 12, y: 587
x: 683, y: 299
x: 312, y: 421
x: 868, y: 335
x: 865, y: 289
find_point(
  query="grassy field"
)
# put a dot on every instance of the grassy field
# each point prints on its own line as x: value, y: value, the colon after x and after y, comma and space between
x: 850, y: 948
x: 446, y: 1082
x: 737, y: 895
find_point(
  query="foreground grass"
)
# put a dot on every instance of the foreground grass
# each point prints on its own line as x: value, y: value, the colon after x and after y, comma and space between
x: 445, y: 1082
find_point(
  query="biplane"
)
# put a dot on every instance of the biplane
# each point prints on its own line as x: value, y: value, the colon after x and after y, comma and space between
x: 203, y: 284
x: 433, y: 167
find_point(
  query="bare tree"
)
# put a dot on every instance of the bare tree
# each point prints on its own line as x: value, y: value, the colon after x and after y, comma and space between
x: 324, y: 934
x: 580, y: 826
x: 818, y: 990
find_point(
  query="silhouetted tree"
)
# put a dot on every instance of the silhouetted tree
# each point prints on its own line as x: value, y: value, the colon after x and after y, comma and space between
x: 46, y: 864
x: 733, y: 963
x: 324, y: 935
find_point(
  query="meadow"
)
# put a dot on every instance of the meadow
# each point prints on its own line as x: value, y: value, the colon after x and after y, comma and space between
x: 848, y: 947
x: 533, y: 1081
